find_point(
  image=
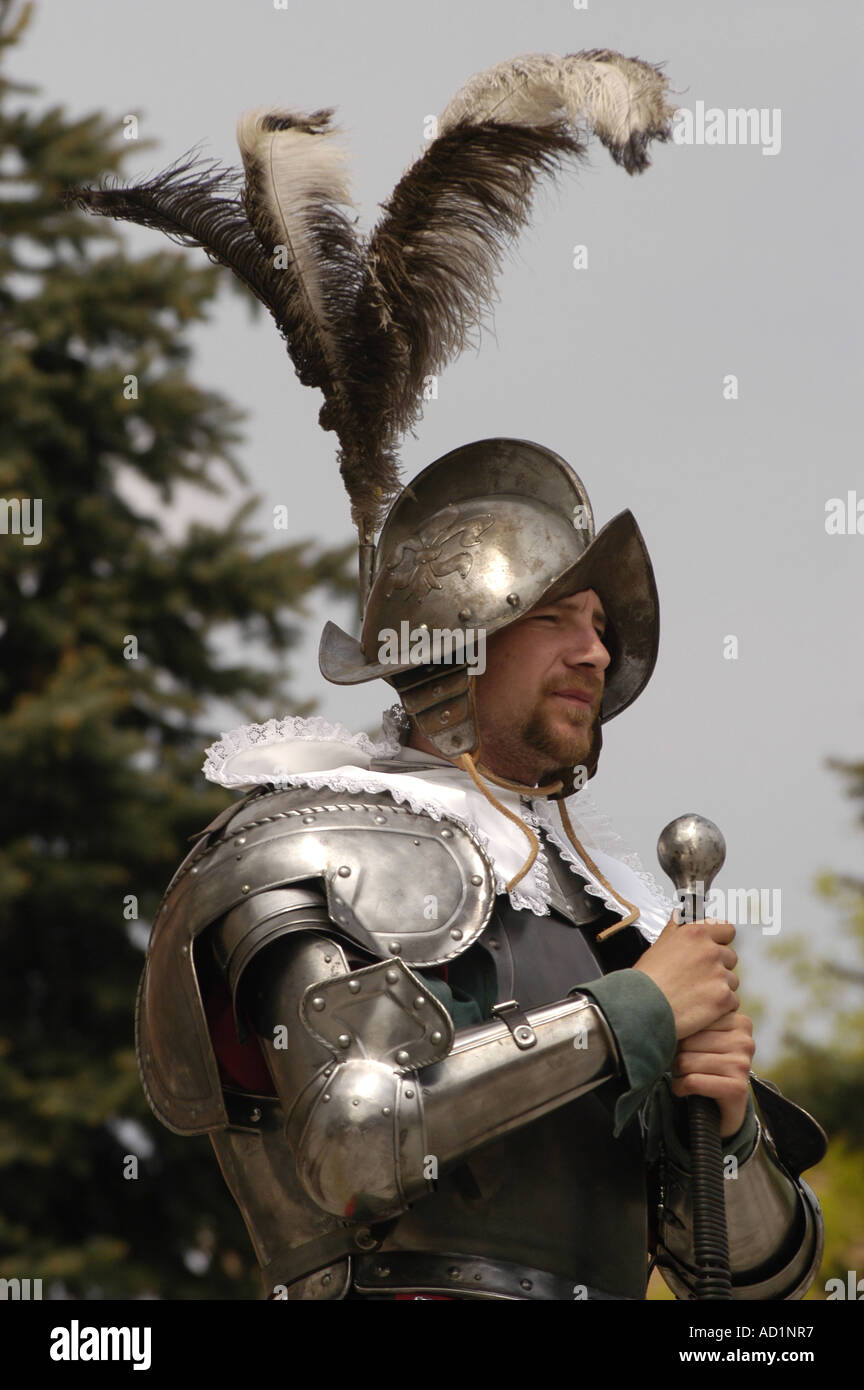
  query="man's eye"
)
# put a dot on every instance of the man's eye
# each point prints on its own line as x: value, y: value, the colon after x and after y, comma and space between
x: 546, y: 618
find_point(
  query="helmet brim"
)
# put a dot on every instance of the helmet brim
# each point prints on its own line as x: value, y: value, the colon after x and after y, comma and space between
x: 615, y: 565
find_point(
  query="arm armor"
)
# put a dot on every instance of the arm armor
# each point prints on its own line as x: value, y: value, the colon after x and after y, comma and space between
x: 374, y: 1082
x: 776, y: 1232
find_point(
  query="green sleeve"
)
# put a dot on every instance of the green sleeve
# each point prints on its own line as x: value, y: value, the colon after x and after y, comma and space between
x: 639, y: 1015
x: 470, y: 991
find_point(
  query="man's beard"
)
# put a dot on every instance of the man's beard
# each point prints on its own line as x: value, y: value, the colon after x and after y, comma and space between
x: 562, y: 748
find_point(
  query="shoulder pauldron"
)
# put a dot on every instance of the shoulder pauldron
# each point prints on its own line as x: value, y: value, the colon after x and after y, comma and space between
x: 398, y: 883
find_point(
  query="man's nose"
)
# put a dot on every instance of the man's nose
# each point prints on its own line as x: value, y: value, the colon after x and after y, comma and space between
x: 585, y: 648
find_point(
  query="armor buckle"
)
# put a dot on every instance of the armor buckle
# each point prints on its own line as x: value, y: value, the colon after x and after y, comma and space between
x: 510, y: 1013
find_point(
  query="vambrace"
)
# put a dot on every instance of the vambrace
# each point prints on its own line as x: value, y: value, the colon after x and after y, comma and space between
x: 380, y: 1094
x: 774, y: 1221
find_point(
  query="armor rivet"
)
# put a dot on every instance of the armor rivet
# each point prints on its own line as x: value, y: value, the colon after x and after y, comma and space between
x: 395, y: 948
x: 476, y: 879
x: 526, y: 1284
x: 385, y: 1110
x: 392, y: 976
x: 343, y: 871
x: 496, y: 945
x: 464, y: 614
x: 365, y: 1240
x: 454, y: 1272
x: 456, y: 934
x: 403, y: 1057
x: 328, y: 1070
x: 424, y: 627
x: 255, y: 1114
x: 355, y: 1101
x: 195, y: 870
x: 185, y: 950
x: 444, y: 717
x: 344, y: 1040
x: 308, y: 820
x: 326, y: 1278
x: 318, y: 1003
x: 379, y: 820
x: 437, y: 690
x: 409, y: 1092
x: 436, y: 1036
x: 328, y: 959
x: 415, y: 842
x: 382, y: 1271
x: 354, y: 986
x: 245, y: 888
x: 419, y: 1002
x: 479, y: 1278
x: 325, y: 1097
x: 523, y: 1033
x: 446, y: 834
x: 238, y: 857
x: 513, y: 600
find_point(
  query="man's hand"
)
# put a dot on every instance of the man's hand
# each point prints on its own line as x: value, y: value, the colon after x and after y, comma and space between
x: 694, y: 966
x: 716, y: 1063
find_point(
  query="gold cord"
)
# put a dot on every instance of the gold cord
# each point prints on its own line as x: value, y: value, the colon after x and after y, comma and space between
x: 466, y: 762
x: 571, y: 835
x: 548, y: 790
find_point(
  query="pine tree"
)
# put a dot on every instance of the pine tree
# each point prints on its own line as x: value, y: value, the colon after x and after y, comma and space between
x: 109, y: 653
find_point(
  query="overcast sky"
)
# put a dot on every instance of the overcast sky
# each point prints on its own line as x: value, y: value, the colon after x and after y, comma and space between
x: 720, y: 260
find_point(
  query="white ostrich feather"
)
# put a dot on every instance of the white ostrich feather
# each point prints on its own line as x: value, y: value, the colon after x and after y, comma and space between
x: 617, y: 97
x: 297, y: 176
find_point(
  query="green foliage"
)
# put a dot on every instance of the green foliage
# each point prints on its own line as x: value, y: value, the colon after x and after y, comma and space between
x: 101, y: 736
x: 837, y: 1182
x: 827, y: 1078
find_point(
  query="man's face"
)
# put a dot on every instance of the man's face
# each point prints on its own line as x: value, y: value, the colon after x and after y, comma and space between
x: 539, y: 697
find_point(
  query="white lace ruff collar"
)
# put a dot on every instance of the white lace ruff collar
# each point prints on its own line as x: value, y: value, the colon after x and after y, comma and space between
x: 314, y: 753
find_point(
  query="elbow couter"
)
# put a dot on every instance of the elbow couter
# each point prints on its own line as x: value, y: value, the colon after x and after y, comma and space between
x: 362, y: 1139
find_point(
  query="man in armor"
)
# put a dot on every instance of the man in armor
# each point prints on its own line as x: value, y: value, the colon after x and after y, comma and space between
x: 438, y: 1027
x: 430, y: 1065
